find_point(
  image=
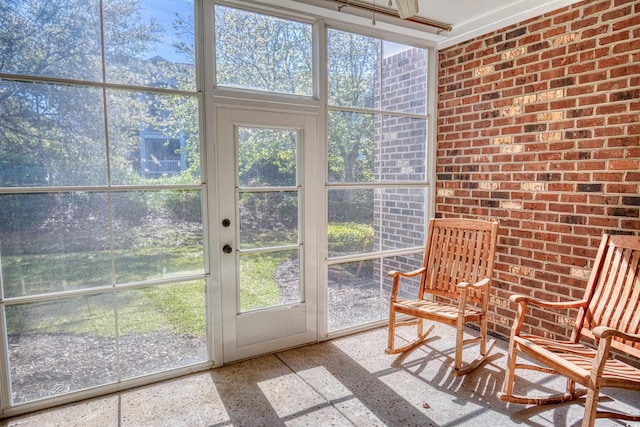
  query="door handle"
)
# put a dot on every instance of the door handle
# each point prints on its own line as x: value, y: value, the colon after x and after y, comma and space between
x: 227, y: 249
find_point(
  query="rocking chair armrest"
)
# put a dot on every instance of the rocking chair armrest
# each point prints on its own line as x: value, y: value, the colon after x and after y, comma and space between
x: 395, y: 287
x: 406, y: 273
x: 606, y: 332
x: 479, y: 284
x: 524, y: 299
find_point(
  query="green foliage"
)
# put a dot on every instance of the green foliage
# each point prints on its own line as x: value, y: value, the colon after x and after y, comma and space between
x: 353, y: 66
x: 267, y: 157
x: 57, y: 131
x: 260, y: 52
x: 348, y: 238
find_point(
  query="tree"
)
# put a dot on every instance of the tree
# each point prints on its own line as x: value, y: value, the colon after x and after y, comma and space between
x: 257, y: 51
x: 56, y: 132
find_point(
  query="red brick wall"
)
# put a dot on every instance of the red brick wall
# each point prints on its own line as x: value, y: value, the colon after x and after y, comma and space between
x: 539, y: 127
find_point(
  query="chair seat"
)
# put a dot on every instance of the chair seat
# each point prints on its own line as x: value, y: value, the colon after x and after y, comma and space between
x: 579, y: 359
x: 433, y: 309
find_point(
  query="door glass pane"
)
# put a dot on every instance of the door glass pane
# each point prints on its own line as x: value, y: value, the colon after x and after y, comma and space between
x: 266, y: 157
x: 269, y: 279
x: 163, y: 53
x: 53, y: 242
x: 51, y: 135
x: 153, y: 138
x: 268, y: 219
x: 157, y: 234
x: 261, y: 52
x: 60, y: 346
x: 61, y: 40
x: 161, y: 328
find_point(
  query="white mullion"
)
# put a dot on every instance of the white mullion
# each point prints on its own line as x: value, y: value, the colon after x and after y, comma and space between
x: 97, y: 188
x: 89, y: 83
x: 378, y: 112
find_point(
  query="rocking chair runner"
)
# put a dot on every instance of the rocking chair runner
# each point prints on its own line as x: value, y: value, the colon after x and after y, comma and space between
x: 608, y: 314
x: 455, y: 282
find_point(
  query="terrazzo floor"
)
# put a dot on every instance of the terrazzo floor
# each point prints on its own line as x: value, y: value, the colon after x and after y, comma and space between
x: 348, y: 381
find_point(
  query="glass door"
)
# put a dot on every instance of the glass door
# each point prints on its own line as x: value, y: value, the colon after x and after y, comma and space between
x: 268, y: 299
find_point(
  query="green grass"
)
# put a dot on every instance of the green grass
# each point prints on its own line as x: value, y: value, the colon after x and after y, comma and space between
x: 36, y: 274
x: 173, y: 308
x: 176, y: 308
x: 258, y: 287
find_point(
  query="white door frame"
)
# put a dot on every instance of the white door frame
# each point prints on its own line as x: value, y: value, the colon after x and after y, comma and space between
x: 263, y: 331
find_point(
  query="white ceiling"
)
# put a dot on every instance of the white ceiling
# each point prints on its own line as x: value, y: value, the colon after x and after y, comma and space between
x: 471, y: 18
x: 468, y: 18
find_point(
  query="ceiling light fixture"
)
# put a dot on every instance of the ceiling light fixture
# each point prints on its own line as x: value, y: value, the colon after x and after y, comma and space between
x: 389, y: 12
x: 406, y: 8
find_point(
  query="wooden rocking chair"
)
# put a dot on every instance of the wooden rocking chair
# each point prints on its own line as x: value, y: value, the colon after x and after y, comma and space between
x: 455, y: 281
x: 607, y: 315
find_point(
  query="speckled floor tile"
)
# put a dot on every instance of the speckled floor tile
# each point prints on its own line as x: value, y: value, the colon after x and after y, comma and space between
x: 189, y: 401
x: 98, y: 412
x: 348, y: 381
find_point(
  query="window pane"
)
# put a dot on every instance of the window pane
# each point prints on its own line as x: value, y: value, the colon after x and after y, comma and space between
x: 161, y: 328
x: 404, y: 79
x: 351, y: 147
x: 267, y: 157
x: 400, y: 218
x: 51, y: 135
x: 268, y: 219
x: 61, y: 346
x: 157, y: 234
x: 351, y: 222
x: 362, y: 221
x: 150, y: 43
x: 269, y: 279
x: 42, y: 39
x: 53, y: 242
x: 153, y: 138
x: 354, y: 296
x: 359, y: 291
x: 261, y: 52
x: 409, y: 285
x: 402, y: 154
x: 366, y: 72
x: 354, y: 67
x: 373, y: 148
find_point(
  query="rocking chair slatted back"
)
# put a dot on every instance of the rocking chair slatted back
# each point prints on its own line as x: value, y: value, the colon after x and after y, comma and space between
x: 455, y: 282
x: 614, y: 293
x: 456, y: 254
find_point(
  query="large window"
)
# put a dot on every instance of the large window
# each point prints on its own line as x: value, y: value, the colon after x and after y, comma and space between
x: 101, y: 236
x: 376, y: 169
x: 104, y: 265
x: 261, y: 52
